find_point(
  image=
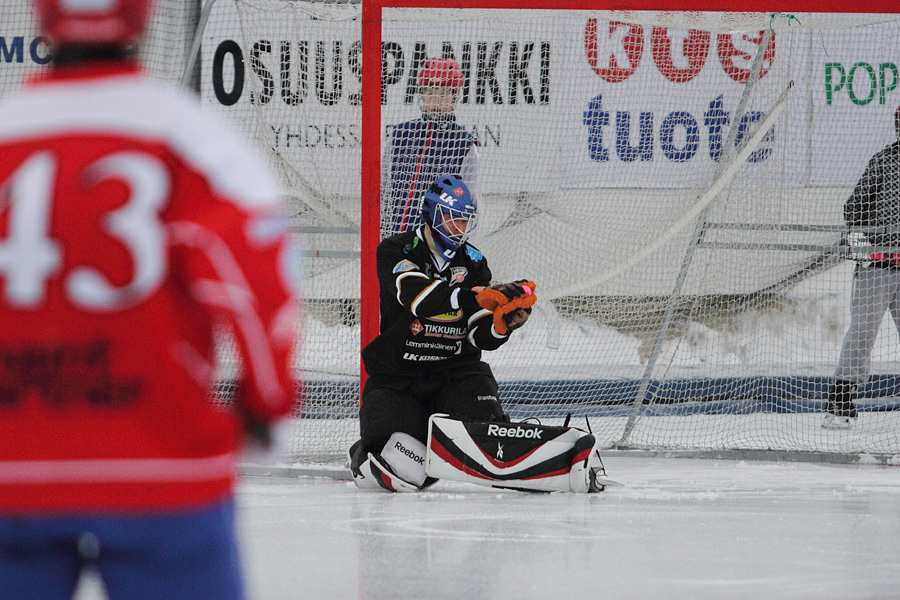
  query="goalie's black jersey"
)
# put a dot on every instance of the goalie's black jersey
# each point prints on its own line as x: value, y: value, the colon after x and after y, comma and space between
x: 429, y: 318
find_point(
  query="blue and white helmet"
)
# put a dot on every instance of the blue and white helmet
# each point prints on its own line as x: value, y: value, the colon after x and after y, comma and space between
x: 451, y: 212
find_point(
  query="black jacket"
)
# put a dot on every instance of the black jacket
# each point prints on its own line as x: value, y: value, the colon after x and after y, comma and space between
x: 875, y: 201
x: 428, y: 318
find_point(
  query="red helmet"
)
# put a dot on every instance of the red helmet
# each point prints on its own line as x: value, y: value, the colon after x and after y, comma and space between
x: 93, y: 22
x: 441, y: 72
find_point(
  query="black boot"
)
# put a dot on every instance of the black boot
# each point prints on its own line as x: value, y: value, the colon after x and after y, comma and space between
x: 354, y: 457
x: 840, y: 411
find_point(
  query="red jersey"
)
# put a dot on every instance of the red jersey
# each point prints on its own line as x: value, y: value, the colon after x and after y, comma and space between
x: 131, y: 225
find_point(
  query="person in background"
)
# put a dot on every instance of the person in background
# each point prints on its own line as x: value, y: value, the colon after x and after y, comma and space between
x: 873, y: 214
x: 422, y: 149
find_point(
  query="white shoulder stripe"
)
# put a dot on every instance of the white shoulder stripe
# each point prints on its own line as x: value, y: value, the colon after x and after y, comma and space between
x: 480, y: 314
x: 133, y: 106
x: 403, y: 276
x: 414, y: 307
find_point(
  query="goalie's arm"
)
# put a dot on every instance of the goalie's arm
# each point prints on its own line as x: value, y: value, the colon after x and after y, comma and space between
x: 482, y: 333
x: 421, y: 294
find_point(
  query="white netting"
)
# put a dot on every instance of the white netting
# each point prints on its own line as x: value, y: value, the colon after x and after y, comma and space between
x: 605, y: 142
x: 673, y: 313
x: 690, y: 298
x: 288, y: 75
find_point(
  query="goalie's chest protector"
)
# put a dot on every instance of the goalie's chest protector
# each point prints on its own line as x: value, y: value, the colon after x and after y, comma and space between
x: 408, y: 341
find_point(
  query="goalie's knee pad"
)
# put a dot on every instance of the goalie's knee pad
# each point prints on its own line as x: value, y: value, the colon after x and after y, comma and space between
x: 400, y: 467
x: 520, y: 456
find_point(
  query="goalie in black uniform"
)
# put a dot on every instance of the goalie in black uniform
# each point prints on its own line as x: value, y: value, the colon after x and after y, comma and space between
x: 430, y: 408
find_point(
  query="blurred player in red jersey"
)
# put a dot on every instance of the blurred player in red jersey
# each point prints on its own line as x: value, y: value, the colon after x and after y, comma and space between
x: 130, y: 225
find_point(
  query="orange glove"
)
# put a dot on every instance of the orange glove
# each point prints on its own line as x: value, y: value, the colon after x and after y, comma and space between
x: 502, y: 293
x: 510, y: 302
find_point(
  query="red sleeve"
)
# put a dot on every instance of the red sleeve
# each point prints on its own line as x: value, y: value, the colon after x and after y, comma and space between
x: 238, y: 261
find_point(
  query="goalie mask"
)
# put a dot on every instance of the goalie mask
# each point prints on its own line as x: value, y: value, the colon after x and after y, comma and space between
x: 93, y: 22
x: 451, y: 213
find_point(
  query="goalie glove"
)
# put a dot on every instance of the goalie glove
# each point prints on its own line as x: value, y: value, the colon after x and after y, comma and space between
x: 501, y: 294
x: 514, y: 313
x: 511, y: 319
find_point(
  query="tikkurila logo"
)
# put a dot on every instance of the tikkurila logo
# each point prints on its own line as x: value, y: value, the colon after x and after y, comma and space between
x: 459, y: 191
x: 416, y: 327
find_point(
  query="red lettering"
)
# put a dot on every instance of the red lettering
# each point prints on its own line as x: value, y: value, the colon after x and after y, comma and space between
x: 737, y: 51
x: 616, y: 54
x: 685, y: 60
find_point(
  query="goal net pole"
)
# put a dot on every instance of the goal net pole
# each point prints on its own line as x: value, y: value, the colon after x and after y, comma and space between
x: 700, y: 208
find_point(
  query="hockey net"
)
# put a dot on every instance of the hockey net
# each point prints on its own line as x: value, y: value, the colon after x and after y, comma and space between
x: 693, y: 293
x: 673, y: 181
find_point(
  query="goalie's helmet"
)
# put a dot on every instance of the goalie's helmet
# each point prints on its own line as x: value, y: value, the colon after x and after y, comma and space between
x: 451, y: 212
x: 93, y: 22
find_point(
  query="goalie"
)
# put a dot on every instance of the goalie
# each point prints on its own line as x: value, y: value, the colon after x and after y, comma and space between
x: 430, y: 408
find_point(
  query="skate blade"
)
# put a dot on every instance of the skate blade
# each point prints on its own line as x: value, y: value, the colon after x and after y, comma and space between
x: 835, y: 422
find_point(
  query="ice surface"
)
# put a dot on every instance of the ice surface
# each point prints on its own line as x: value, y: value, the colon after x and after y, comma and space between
x: 679, y: 529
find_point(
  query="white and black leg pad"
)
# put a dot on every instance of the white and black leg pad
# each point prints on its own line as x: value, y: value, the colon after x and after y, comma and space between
x: 399, y: 468
x: 521, y: 456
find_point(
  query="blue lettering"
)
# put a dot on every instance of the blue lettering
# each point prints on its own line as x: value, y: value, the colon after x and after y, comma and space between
x: 675, y: 145
x: 596, y: 119
x: 37, y: 57
x: 715, y: 119
x: 667, y: 136
x: 624, y: 150
x: 15, y: 51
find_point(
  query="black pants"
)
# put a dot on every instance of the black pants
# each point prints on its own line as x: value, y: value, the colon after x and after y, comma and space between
x: 391, y: 403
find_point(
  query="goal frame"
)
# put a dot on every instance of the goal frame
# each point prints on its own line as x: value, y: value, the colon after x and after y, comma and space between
x: 372, y: 12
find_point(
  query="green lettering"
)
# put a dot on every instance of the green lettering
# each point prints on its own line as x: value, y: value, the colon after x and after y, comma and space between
x: 873, y: 84
x: 830, y: 87
x: 884, y: 88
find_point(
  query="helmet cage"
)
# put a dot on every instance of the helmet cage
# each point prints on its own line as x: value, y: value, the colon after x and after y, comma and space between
x: 455, y: 226
x: 451, y: 214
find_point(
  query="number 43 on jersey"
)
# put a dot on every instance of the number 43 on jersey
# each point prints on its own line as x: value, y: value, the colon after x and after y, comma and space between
x: 30, y: 257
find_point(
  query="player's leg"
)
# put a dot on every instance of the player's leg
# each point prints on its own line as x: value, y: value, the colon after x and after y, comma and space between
x: 471, y: 393
x: 183, y: 555
x: 523, y: 456
x: 871, y: 296
x: 390, y: 454
x: 478, y: 444
x: 39, y: 558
